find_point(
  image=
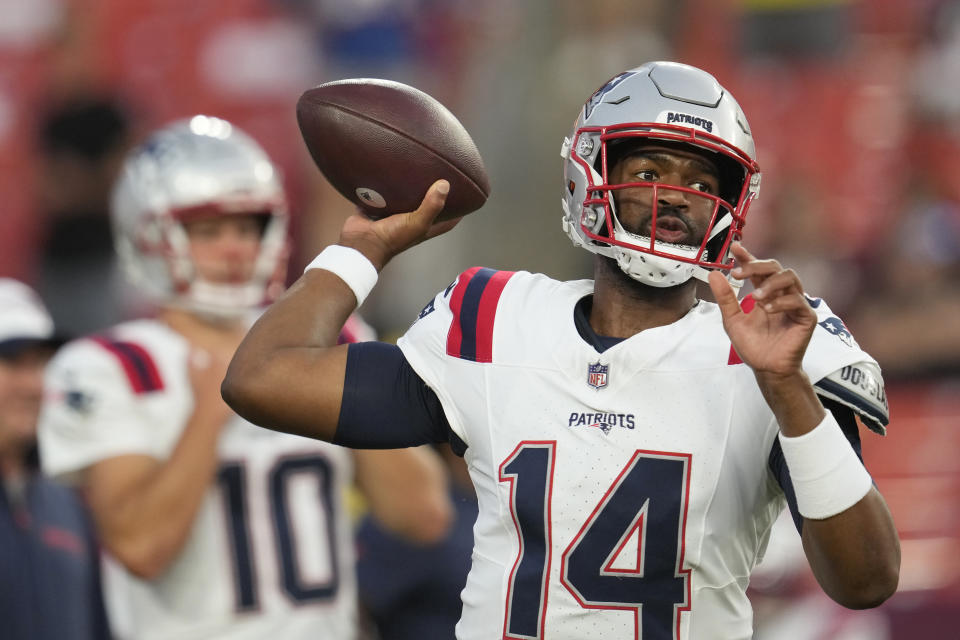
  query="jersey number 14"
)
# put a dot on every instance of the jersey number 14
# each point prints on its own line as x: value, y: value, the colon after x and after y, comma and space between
x: 647, y: 503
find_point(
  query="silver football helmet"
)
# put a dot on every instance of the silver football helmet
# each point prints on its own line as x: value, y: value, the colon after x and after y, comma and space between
x: 197, y: 165
x: 663, y: 103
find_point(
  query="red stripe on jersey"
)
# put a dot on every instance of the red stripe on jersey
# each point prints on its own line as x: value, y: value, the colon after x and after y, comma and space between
x: 348, y: 333
x: 486, y: 314
x: 747, y: 304
x: 455, y: 334
x: 138, y: 365
x: 356, y: 330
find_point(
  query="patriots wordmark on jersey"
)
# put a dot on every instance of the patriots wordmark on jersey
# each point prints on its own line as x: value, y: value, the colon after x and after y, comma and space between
x: 271, y: 551
x: 623, y: 493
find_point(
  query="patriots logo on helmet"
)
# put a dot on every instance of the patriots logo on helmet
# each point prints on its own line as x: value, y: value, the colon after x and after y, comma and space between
x: 597, y: 97
x: 597, y: 375
x: 835, y: 326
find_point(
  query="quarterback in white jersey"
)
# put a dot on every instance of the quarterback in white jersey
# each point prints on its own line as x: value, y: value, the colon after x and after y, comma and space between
x: 630, y: 443
x: 216, y: 528
x: 594, y: 492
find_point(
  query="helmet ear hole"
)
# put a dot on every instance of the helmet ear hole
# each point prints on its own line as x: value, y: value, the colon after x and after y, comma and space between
x: 732, y: 176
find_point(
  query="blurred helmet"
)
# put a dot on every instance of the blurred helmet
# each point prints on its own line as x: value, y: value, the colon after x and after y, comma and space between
x: 658, y: 103
x: 201, y: 166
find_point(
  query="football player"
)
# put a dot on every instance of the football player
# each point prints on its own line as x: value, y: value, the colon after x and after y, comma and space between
x: 631, y: 444
x: 220, y: 529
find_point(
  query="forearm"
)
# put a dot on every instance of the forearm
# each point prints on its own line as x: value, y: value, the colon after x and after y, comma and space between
x: 854, y: 554
x: 793, y: 401
x: 146, y: 523
x: 287, y: 373
x: 407, y: 491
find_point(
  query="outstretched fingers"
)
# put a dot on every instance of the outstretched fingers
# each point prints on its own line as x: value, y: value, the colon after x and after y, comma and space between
x: 749, y: 266
x: 776, y: 289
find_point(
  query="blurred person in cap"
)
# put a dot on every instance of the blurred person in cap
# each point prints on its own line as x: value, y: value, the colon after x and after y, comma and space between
x: 49, y: 561
x: 215, y: 528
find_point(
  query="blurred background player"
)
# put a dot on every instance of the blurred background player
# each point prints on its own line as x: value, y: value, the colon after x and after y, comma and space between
x: 49, y: 561
x: 220, y: 529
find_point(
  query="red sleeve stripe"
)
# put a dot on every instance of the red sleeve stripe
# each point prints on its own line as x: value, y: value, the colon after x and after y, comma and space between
x: 455, y: 335
x: 139, y: 366
x: 474, y: 305
x: 747, y: 304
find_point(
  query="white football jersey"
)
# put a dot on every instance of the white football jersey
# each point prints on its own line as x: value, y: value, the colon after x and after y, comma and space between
x: 623, y: 494
x: 271, y: 551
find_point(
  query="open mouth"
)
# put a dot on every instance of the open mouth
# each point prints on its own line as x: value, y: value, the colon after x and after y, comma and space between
x: 672, y: 229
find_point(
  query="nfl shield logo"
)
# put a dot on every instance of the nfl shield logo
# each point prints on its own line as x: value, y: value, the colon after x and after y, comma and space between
x: 597, y: 375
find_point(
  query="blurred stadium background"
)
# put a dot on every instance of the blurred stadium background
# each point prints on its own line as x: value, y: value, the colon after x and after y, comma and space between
x: 855, y: 105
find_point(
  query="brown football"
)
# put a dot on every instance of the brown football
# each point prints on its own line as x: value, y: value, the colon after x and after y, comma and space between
x: 382, y: 144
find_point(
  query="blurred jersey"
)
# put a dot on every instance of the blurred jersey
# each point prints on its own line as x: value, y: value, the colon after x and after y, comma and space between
x: 623, y: 493
x: 271, y: 551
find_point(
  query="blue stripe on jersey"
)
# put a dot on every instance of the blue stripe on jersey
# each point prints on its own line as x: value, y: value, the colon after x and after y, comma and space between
x: 136, y: 358
x: 138, y: 365
x: 469, y: 312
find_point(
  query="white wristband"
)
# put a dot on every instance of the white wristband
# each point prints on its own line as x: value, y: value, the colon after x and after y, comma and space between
x: 349, y: 265
x: 827, y: 475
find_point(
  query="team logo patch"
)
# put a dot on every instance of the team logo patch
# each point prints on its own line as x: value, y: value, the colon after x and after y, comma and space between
x: 605, y: 421
x: 835, y: 326
x: 79, y: 401
x: 597, y: 375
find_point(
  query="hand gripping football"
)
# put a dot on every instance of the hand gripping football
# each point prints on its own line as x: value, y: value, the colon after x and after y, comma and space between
x: 382, y: 144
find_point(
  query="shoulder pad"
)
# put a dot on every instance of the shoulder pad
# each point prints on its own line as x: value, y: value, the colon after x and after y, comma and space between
x: 860, y: 387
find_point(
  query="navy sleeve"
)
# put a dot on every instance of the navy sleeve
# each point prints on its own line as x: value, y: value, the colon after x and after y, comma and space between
x: 386, y: 405
x: 778, y: 466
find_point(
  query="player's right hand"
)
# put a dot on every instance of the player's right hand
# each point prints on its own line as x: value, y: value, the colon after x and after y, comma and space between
x: 381, y: 240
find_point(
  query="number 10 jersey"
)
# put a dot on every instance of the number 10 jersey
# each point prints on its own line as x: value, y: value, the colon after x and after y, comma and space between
x: 270, y: 552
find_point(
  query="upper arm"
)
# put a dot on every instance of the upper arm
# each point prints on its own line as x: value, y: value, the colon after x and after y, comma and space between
x: 385, y: 403
x: 296, y: 389
x: 108, y: 485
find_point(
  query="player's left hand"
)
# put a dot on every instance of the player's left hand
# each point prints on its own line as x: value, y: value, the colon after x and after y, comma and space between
x: 773, y: 337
